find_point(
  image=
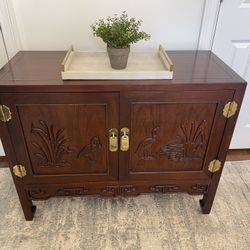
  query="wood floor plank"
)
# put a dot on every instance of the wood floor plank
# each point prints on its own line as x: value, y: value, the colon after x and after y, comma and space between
x: 238, y: 155
x: 3, y: 162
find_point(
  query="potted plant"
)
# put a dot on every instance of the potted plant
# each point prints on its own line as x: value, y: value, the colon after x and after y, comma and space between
x: 119, y: 32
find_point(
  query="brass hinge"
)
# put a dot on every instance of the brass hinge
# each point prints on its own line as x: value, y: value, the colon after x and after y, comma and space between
x: 5, y: 114
x: 230, y: 109
x: 19, y: 171
x: 214, y: 166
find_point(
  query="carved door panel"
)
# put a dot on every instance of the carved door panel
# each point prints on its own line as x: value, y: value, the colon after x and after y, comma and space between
x: 173, y: 135
x: 58, y: 136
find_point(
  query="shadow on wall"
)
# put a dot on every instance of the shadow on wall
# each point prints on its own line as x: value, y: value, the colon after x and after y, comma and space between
x: 3, y: 61
x: 3, y: 56
x: 1, y: 149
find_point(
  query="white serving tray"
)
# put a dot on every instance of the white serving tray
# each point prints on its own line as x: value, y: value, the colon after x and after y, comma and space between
x: 96, y: 65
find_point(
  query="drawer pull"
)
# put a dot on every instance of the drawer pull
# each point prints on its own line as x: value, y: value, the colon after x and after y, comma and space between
x: 124, y: 139
x: 113, y: 140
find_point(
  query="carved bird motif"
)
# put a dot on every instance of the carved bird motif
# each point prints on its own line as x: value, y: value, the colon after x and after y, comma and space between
x: 187, y: 144
x: 145, y: 147
x: 90, y: 150
x: 174, y: 151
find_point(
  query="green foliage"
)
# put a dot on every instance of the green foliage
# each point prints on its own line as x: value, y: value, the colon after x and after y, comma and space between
x: 119, y: 31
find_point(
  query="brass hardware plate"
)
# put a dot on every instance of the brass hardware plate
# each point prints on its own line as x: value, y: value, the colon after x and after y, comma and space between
x: 19, y: 171
x: 166, y: 59
x: 64, y: 62
x: 214, y: 166
x: 124, y: 139
x: 230, y: 109
x: 5, y: 114
x: 113, y: 140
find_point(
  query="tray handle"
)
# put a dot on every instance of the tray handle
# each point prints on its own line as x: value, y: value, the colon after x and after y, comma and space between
x: 65, y: 60
x: 166, y: 59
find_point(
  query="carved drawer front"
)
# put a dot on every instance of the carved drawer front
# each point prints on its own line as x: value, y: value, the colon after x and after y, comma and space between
x: 67, y: 135
x: 111, y: 189
x: 172, y: 134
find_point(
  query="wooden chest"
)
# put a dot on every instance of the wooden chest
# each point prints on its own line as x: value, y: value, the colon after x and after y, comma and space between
x: 109, y: 138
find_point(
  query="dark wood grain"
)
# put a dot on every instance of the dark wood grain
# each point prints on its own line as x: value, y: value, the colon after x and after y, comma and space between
x: 60, y: 129
x: 207, y: 201
x: 171, y: 112
x: 232, y: 155
x: 34, y: 71
x: 238, y: 155
x: 56, y: 127
x: 26, y: 203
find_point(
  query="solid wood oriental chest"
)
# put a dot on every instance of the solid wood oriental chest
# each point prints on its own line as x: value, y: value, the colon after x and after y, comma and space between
x: 120, y: 137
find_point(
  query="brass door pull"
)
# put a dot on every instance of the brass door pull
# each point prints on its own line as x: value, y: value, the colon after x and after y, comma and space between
x: 113, y: 140
x: 124, y: 143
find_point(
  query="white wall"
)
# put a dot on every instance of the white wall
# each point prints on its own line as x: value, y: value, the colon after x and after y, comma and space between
x: 3, y: 60
x: 3, y: 56
x: 56, y: 24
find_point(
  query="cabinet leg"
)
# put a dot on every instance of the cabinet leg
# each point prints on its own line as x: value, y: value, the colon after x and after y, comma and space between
x: 28, y: 208
x: 29, y: 211
x: 207, y: 201
x: 206, y: 204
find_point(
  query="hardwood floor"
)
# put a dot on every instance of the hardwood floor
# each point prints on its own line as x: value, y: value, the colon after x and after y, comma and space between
x: 233, y: 155
x: 238, y: 155
x: 3, y: 162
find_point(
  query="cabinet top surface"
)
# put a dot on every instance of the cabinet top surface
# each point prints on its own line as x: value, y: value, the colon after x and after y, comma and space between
x: 42, y: 68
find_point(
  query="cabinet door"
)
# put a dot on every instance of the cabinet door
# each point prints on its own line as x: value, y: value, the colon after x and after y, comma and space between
x: 173, y: 135
x: 64, y: 137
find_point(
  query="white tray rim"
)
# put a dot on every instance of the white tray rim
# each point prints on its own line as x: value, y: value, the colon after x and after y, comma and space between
x: 116, y: 74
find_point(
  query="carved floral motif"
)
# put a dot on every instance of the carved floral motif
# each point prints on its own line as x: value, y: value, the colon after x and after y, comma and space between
x: 51, y: 145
